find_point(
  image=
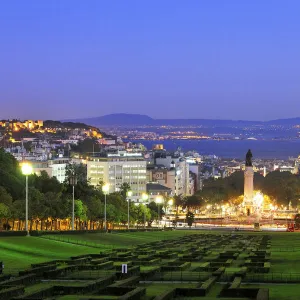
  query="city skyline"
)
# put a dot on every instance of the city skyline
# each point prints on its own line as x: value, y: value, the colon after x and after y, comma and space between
x: 209, y: 60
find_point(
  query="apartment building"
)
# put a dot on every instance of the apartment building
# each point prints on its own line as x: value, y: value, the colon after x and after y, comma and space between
x: 118, y: 168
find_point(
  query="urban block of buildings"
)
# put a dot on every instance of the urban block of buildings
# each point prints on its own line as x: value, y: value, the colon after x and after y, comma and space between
x: 153, y: 171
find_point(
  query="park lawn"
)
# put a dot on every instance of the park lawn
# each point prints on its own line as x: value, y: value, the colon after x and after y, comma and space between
x: 285, y: 262
x: 123, y: 239
x: 279, y: 291
x: 20, y: 252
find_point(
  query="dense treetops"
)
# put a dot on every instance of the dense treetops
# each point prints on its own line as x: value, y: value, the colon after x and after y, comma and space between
x: 67, y: 125
x: 281, y: 187
x: 49, y: 199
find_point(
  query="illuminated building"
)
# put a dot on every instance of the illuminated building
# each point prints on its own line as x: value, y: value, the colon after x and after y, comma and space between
x: 116, y: 169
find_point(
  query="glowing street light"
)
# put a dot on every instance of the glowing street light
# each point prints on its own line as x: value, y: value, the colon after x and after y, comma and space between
x: 171, y: 202
x: 158, y: 200
x: 105, y: 190
x: 26, y: 170
x: 145, y: 196
x: 129, y: 195
x: 73, y: 182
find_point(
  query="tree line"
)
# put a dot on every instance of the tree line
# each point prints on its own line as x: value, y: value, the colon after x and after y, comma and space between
x: 50, y: 202
x: 283, y: 189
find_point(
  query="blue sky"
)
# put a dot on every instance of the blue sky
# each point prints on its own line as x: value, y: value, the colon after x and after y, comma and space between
x: 168, y: 59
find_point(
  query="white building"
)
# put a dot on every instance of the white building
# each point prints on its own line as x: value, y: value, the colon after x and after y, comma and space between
x: 116, y: 169
x: 54, y: 167
x: 177, y: 176
x: 58, y: 167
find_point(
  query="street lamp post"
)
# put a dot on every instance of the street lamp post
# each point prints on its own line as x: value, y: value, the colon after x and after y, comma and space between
x: 73, y: 182
x: 158, y: 200
x: 170, y: 203
x: 145, y: 198
x: 105, y: 190
x: 129, y: 194
x: 26, y: 170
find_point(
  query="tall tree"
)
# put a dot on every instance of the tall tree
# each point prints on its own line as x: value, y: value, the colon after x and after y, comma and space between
x: 190, y: 218
x: 193, y: 202
x: 124, y: 188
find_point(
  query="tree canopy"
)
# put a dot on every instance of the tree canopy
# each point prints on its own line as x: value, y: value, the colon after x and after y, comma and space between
x: 51, y: 201
x: 282, y: 187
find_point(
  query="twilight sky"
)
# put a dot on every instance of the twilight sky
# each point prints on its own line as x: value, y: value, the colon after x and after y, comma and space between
x: 228, y: 59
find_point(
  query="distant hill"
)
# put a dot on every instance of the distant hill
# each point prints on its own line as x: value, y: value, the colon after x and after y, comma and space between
x: 131, y: 120
x: 117, y: 119
x: 291, y: 122
x: 72, y: 125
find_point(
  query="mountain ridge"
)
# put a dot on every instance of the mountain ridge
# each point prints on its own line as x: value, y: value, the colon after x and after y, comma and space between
x: 123, y: 119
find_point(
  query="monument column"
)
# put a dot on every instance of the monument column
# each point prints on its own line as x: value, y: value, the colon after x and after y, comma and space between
x: 248, y: 184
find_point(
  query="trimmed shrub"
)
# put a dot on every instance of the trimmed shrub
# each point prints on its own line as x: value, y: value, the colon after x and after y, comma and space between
x: 135, y: 294
x: 168, y: 295
x: 23, y: 280
x: 219, y: 272
x: 263, y: 294
x: 208, y: 284
x: 12, y: 292
x: 38, y: 270
x: 97, y: 261
x: 13, y: 233
x: 126, y: 282
x: 103, y: 266
x: 236, y: 283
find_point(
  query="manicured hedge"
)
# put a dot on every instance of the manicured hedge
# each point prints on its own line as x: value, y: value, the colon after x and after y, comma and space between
x: 219, y: 272
x: 167, y: 295
x: 240, y: 293
x: 41, y: 294
x: 97, y: 261
x: 13, y: 233
x: 208, y: 284
x: 130, y: 272
x: 38, y: 270
x: 151, y: 262
x: 59, y: 272
x: 103, y: 266
x: 126, y: 282
x: 12, y: 292
x: 4, y: 277
x: 263, y: 294
x: 236, y: 283
x: 23, y: 280
x: 135, y: 294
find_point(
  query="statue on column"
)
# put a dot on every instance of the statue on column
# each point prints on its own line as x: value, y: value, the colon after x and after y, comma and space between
x: 249, y: 158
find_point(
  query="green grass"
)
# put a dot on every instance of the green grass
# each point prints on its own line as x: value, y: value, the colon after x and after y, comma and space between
x: 20, y: 252
x: 280, y: 291
x: 126, y: 239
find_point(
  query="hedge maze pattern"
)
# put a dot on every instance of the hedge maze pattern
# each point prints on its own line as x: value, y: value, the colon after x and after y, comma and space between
x: 196, y: 266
